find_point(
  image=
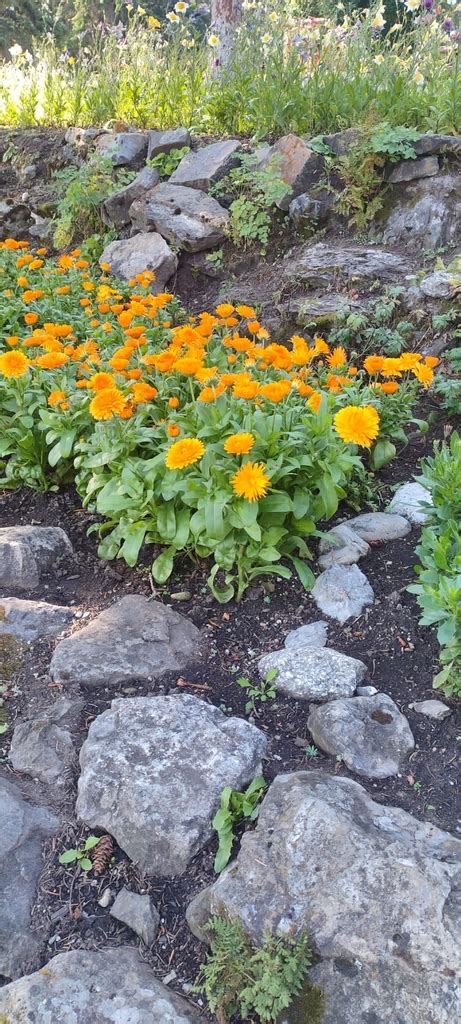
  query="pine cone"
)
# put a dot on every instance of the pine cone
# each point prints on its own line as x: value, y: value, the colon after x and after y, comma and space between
x: 101, y: 854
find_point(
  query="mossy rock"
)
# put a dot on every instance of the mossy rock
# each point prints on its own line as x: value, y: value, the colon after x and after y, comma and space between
x: 307, y: 1008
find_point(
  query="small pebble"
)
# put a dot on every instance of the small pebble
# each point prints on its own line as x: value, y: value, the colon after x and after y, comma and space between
x: 366, y: 691
x: 169, y: 978
x: 106, y: 898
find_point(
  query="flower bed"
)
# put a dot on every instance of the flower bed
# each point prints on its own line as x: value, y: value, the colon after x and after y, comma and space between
x: 198, y: 434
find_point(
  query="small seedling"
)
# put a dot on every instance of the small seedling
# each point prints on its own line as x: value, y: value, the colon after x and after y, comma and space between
x: 311, y: 750
x: 258, y: 694
x: 78, y: 855
x: 234, y: 808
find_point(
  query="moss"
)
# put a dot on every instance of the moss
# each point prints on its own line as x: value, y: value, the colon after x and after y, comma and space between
x: 10, y: 651
x: 307, y: 1008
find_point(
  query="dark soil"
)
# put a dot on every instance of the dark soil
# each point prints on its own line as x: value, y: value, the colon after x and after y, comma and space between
x: 401, y: 659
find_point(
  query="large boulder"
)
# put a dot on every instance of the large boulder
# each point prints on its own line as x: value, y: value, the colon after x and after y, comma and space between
x: 203, y: 167
x: 369, y: 734
x: 134, y: 639
x: 187, y: 217
x: 410, y: 170
x: 363, y: 880
x: 112, y: 986
x: 426, y: 214
x: 115, y: 208
x: 296, y: 164
x: 146, y: 251
x: 24, y: 827
x: 313, y: 673
x: 28, y: 552
x: 153, y: 769
x: 30, y: 620
x: 325, y: 264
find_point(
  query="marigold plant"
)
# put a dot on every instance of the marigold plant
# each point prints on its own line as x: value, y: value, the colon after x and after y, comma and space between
x: 197, y: 434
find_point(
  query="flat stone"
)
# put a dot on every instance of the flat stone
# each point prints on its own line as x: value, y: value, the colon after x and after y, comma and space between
x: 323, y: 265
x: 30, y: 620
x: 164, y: 142
x: 342, y: 592
x: 341, y: 546
x: 313, y: 673
x: 43, y: 747
x: 112, y: 986
x: 116, y: 207
x: 153, y: 769
x: 132, y: 640
x: 202, y: 168
x: 363, y: 880
x: 24, y: 827
x: 378, y: 527
x: 435, y: 143
x: 124, y: 149
x: 320, y: 309
x: 313, y: 634
x: 431, y: 709
x: 28, y: 552
x: 369, y: 734
x: 409, y: 501
x: 296, y: 164
x: 187, y: 217
x: 146, y: 251
x: 426, y: 214
x: 138, y: 912
x: 409, y: 170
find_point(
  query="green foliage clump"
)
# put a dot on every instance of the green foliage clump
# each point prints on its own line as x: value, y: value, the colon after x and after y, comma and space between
x: 259, y: 693
x: 79, y: 856
x: 256, y: 984
x: 377, y: 327
x: 256, y: 191
x: 166, y: 163
x: 234, y: 808
x: 84, y: 189
x: 438, y: 589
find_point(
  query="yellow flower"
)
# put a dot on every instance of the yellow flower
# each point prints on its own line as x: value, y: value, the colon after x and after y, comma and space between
x: 152, y: 23
x: 314, y: 401
x: 373, y: 364
x: 251, y: 481
x: 357, y: 424
x: 107, y: 403
x: 181, y: 7
x: 239, y: 444
x: 172, y: 17
x: 338, y: 357
x: 424, y: 374
x: 213, y: 40
x: 101, y: 381
x: 184, y: 453
x: 418, y: 78
x: 378, y: 21
x: 55, y: 397
x: 13, y: 364
x: 379, y: 59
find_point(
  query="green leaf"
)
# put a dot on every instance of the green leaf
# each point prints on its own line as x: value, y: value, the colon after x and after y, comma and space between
x: 133, y: 540
x: 383, y: 452
x: 305, y: 574
x: 91, y: 842
x: 68, y: 857
x: 86, y: 864
x: 163, y: 565
x: 328, y: 495
x: 222, y: 594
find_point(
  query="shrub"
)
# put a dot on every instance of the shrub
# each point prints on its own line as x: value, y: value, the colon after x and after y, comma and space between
x: 196, y: 434
x: 253, y: 983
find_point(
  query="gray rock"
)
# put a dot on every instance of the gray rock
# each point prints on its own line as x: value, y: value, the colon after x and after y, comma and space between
x: 313, y: 673
x: 153, y: 769
x: 409, y: 170
x: 124, y: 149
x: 147, y: 251
x: 321, y: 309
x: 409, y: 501
x: 427, y: 214
x: 27, y: 552
x: 363, y: 879
x: 342, y: 546
x: 296, y: 164
x: 376, y: 527
x: 342, y: 142
x: 369, y: 734
x: 24, y: 827
x: 83, y: 136
x: 366, y: 691
x: 433, y: 143
x: 187, y: 217
x: 323, y: 265
x: 342, y: 592
x: 164, y: 142
x: 431, y: 709
x: 115, y: 208
x: 439, y: 285
x: 305, y: 209
x: 112, y: 986
x: 138, y: 912
x: 132, y: 640
x: 203, y: 168
x: 313, y: 634
x: 43, y: 747
x: 30, y: 620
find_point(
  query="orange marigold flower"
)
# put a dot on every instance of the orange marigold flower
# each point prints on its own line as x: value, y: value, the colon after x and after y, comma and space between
x: 52, y: 360
x: 337, y: 358
x: 424, y: 374
x: 373, y: 364
x: 245, y: 389
x: 189, y: 365
x: 58, y: 330
x: 225, y: 309
x: 105, y: 266
x: 173, y: 430
x: 163, y: 361
x: 239, y: 444
x: 276, y: 391
x: 143, y: 392
x: 304, y: 389
x: 210, y: 394
x: 320, y: 346
x: 389, y: 387
x: 409, y: 359
x: 30, y: 318
x: 184, y: 453
x: 56, y: 397
x: 254, y: 326
x: 173, y: 403
x: 22, y: 282
x: 63, y: 290
x: 13, y: 364
x: 357, y: 424
x: 432, y: 361
x: 251, y: 481
x: 245, y: 311
x: 107, y: 403
x: 392, y: 367
x: 314, y: 401
x: 12, y: 340
x: 101, y: 381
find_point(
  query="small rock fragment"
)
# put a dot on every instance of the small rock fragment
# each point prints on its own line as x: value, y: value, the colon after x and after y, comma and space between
x: 27, y: 552
x: 30, y: 620
x: 313, y: 634
x: 138, y: 912
x: 313, y: 673
x: 164, y: 142
x: 124, y: 149
x: 342, y: 592
x: 431, y: 709
x: 342, y: 546
x: 43, y: 747
x: 410, y: 501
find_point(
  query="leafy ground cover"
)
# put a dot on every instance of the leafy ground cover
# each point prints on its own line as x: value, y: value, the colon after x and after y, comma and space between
x: 313, y: 76
x: 197, y: 434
